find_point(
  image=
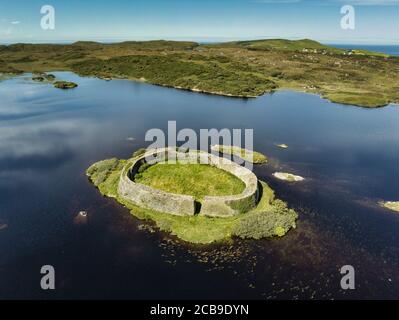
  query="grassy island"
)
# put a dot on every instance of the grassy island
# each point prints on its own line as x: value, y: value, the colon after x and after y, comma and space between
x: 240, y: 69
x: 65, y: 85
x: 282, y: 146
x: 43, y: 77
x: 391, y: 205
x: 247, y: 155
x: 288, y: 177
x: 50, y: 78
x: 270, y: 218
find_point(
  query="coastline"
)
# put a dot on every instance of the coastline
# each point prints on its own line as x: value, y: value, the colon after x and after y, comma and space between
x: 244, y: 69
x: 321, y: 95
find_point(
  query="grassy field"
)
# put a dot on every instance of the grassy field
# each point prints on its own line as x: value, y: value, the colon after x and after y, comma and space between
x: 198, y: 180
x: 242, y: 69
x: 271, y: 218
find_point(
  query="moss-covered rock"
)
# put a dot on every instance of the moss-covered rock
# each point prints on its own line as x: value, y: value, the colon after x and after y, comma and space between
x: 38, y: 79
x: 288, y: 177
x: 50, y: 77
x: 43, y: 77
x: 247, y: 155
x: 391, y: 205
x: 65, y: 85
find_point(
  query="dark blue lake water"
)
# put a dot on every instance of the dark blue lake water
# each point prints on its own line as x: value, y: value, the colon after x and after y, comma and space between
x: 388, y: 49
x: 48, y: 137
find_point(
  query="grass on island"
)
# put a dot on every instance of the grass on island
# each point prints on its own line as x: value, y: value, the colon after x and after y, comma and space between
x: 198, y: 180
x: 43, y: 77
x: 243, y: 68
x: 247, y: 155
x: 50, y: 78
x: 391, y: 205
x: 271, y: 218
x: 65, y: 85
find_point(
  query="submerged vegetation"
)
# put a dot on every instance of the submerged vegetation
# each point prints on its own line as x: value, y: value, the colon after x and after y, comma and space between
x: 271, y: 217
x: 243, y: 68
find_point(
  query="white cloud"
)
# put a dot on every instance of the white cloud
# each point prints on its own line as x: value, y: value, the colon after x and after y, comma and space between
x: 15, y: 22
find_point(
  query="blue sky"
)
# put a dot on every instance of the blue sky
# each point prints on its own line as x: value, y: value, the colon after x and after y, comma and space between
x: 377, y: 21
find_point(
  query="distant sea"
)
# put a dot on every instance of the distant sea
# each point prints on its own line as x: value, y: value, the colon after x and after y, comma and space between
x: 388, y: 49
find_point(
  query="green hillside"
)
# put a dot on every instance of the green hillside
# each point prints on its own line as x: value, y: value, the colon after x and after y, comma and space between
x: 241, y: 68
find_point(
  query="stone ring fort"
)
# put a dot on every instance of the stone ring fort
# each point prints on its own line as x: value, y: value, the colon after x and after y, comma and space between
x: 185, y: 205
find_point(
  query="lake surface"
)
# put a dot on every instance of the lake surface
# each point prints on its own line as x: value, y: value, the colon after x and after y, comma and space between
x: 48, y: 137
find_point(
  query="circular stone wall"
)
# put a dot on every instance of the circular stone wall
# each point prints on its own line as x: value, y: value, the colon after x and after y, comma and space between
x: 177, y: 204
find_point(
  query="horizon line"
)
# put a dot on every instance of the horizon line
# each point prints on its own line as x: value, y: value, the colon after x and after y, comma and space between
x: 200, y: 40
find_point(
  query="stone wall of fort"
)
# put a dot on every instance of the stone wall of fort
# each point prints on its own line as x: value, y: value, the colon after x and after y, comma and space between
x: 184, y: 205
